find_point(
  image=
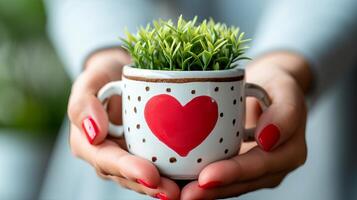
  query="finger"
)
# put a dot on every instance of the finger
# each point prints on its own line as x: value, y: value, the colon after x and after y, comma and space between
x: 120, y: 141
x: 109, y: 159
x: 281, y: 119
x: 254, y: 164
x: 247, y: 146
x: 193, y: 191
x: 85, y: 110
x: 114, y: 110
x: 253, y: 111
x: 166, y: 190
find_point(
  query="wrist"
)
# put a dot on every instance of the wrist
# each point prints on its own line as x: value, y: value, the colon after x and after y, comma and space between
x: 290, y: 63
x: 105, y: 59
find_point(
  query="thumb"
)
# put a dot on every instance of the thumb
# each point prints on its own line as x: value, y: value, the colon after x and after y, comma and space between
x: 84, y: 109
x: 282, y: 118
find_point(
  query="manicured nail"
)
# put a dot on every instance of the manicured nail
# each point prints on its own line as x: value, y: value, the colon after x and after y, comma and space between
x: 142, y: 182
x: 161, y: 196
x: 269, y: 136
x: 210, y: 185
x: 90, y: 129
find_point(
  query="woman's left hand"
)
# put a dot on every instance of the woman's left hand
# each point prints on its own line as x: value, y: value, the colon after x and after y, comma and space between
x: 280, y: 145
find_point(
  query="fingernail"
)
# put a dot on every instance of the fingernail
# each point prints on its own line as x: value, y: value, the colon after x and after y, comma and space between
x: 269, y: 136
x: 210, y: 185
x: 161, y: 196
x: 90, y: 129
x: 142, y: 182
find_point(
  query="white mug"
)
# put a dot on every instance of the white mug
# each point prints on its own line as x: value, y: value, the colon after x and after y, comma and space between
x: 182, y: 121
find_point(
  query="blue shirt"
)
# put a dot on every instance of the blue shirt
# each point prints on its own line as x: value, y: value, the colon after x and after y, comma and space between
x: 324, y: 32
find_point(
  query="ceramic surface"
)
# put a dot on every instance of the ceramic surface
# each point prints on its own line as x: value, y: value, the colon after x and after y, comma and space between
x: 182, y: 121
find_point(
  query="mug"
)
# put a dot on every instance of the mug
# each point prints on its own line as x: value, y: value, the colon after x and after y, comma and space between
x: 182, y: 121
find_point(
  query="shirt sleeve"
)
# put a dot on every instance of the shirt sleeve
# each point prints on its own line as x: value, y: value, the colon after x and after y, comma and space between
x: 77, y: 28
x: 324, y: 32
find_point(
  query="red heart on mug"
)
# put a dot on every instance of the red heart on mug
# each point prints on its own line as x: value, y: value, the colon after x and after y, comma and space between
x: 181, y: 128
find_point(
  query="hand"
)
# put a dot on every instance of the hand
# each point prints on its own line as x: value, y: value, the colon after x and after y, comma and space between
x: 280, y: 145
x: 89, y: 126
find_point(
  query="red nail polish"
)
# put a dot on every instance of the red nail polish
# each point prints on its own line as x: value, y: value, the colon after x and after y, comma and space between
x: 269, y: 136
x: 142, y: 182
x: 210, y: 185
x: 161, y: 196
x: 90, y: 129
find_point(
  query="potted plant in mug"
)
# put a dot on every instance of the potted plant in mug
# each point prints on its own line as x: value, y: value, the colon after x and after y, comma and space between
x: 183, y: 96
x: 186, y: 46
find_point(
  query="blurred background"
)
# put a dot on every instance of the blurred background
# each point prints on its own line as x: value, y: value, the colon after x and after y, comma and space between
x: 33, y: 96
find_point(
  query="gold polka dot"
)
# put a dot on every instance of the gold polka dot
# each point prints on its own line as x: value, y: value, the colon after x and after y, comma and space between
x: 138, y: 126
x: 129, y: 97
x: 135, y: 110
x: 172, y: 160
x: 216, y: 89
x: 220, y: 140
x: 193, y: 91
x: 154, y: 159
x: 139, y: 98
x: 147, y: 88
x: 199, y: 160
x: 168, y: 89
x: 226, y: 151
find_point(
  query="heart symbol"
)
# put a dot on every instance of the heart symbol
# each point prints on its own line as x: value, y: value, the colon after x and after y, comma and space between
x: 181, y: 128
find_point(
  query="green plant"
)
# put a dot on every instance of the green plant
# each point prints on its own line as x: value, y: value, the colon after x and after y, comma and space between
x: 186, y: 46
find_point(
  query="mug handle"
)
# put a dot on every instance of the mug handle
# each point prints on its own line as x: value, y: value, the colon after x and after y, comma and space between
x: 110, y: 89
x: 253, y: 90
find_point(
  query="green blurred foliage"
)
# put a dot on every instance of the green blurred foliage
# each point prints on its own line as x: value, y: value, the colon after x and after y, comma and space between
x: 23, y: 18
x: 33, y: 85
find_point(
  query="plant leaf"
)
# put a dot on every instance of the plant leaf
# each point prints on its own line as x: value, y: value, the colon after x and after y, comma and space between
x: 206, y: 58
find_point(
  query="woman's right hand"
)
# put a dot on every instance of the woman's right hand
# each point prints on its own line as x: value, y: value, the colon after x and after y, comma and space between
x: 89, y: 129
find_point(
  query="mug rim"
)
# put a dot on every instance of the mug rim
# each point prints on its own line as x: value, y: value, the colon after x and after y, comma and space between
x: 148, y: 75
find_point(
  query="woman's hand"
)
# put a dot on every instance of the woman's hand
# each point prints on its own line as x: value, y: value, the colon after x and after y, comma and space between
x: 89, y: 126
x: 280, y: 145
